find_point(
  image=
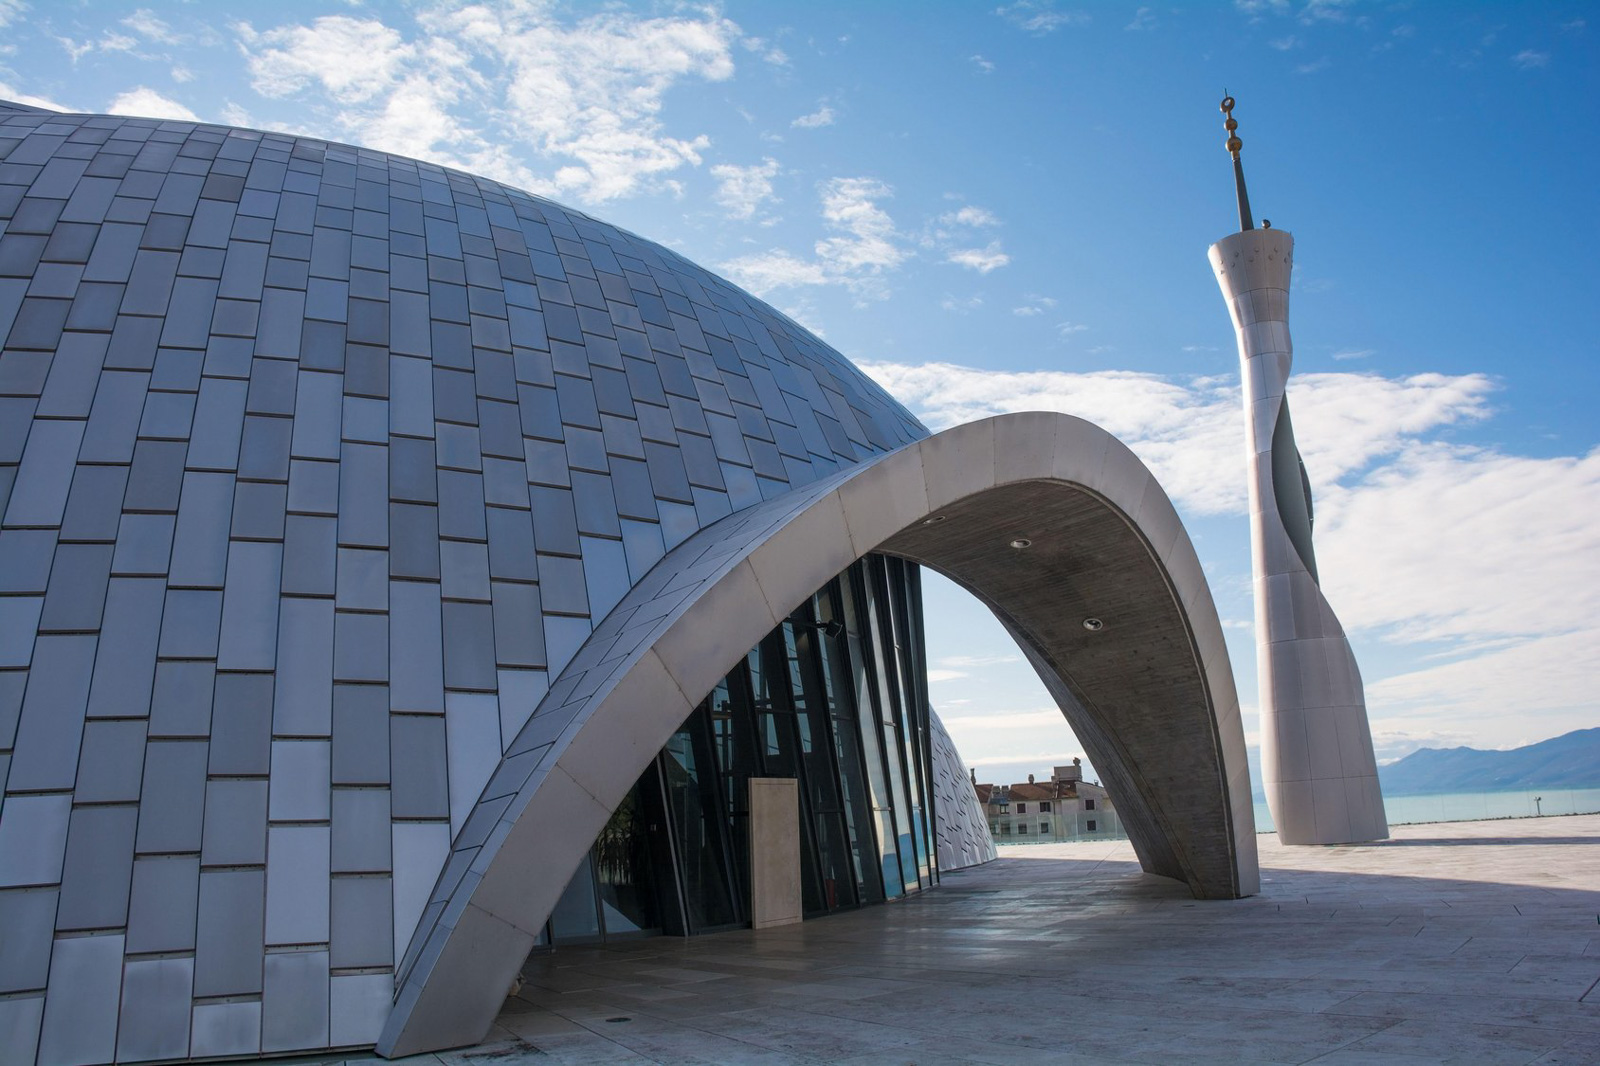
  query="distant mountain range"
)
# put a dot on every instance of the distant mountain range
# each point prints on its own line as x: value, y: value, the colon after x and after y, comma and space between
x: 1568, y: 761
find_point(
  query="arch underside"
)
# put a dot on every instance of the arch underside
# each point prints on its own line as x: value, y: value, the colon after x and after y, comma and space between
x: 1150, y: 694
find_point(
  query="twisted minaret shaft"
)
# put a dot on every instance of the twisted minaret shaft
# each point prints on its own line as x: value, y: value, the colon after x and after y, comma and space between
x: 1316, y: 746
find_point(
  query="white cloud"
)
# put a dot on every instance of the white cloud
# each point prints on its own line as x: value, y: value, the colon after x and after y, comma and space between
x: 10, y: 11
x: 147, y: 103
x: 970, y: 216
x: 1355, y: 353
x: 1039, y: 17
x: 1326, y: 10
x: 1257, y: 8
x: 1143, y: 19
x: 1035, y: 305
x: 961, y: 304
x: 15, y: 95
x: 1283, y: 44
x: 1528, y: 59
x: 983, y: 65
x: 1519, y: 534
x: 937, y: 676
x: 145, y: 23
x: 1315, y: 65
x: 822, y: 116
x: 1067, y: 329
x: 864, y: 247
x: 867, y: 233
x: 983, y: 260
x: 741, y: 190
x: 494, y: 89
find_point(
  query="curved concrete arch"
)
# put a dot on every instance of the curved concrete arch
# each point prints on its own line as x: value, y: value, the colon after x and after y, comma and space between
x: 1151, y: 693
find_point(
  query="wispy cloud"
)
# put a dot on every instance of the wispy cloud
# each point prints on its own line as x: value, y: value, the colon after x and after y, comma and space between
x: 970, y: 216
x: 1355, y: 353
x: 863, y: 246
x: 1034, y: 305
x: 741, y: 190
x: 983, y: 260
x: 1039, y: 17
x: 1313, y: 67
x: 1528, y: 59
x: 1143, y: 19
x: 984, y: 66
x: 822, y: 116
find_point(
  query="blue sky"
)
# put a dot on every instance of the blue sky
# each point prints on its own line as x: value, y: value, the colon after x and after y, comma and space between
x: 1004, y: 207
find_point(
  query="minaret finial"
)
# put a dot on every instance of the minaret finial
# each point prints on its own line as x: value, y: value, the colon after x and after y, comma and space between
x: 1234, y: 144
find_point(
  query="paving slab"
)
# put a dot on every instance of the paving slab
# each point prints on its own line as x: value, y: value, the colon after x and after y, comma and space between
x: 1465, y: 942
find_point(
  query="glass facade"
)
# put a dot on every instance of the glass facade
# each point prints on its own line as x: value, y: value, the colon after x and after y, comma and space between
x: 835, y: 698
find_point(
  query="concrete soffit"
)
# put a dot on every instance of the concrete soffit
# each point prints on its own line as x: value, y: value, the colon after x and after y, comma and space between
x: 1150, y: 692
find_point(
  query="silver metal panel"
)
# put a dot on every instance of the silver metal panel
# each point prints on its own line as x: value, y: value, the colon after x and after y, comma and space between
x: 363, y: 496
x: 361, y: 647
x: 226, y: 1029
x: 360, y: 736
x: 258, y: 510
x: 249, y: 639
x: 297, y: 884
x: 300, y: 781
x: 51, y: 727
x: 218, y: 425
x: 358, y: 1005
x: 419, y: 786
x: 20, y: 1020
x: 314, y: 487
x: 360, y: 830
x: 200, y: 544
x: 464, y: 566
x: 319, y: 406
x: 468, y: 646
x: 77, y: 593
x: 241, y: 724
x: 172, y: 802
x: 227, y: 959
x: 190, y: 624
x: 39, y: 495
x: 416, y: 647
x: 124, y: 664
x: 155, y: 1009
x: 362, y: 580
x: 28, y: 918
x: 99, y: 865
x: 111, y: 762
x: 363, y: 925
x: 518, y: 634
x: 80, y: 1012
x: 294, y: 1001
x: 303, y: 698
x: 181, y: 704
x: 161, y: 913
x: 309, y: 554
x: 605, y: 569
x: 235, y: 823
x: 144, y: 545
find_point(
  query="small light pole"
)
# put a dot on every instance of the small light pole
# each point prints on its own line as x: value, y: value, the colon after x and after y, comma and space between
x: 1538, y: 806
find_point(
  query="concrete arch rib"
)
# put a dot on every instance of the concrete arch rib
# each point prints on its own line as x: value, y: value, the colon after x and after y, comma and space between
x: 1151, y: 694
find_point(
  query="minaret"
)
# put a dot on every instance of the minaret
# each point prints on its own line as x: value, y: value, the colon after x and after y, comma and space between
x: 1316, y: 747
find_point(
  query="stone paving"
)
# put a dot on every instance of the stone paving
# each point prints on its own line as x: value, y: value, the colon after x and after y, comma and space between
x: 1465, y: 942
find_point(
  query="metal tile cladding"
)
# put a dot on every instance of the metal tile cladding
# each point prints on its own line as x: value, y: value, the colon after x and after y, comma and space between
x: 316, y: 464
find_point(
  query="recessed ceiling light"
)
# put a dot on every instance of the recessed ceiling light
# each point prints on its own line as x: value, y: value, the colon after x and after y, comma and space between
x: 1022, y: 542
x: 1093, y: 625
